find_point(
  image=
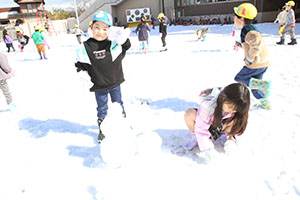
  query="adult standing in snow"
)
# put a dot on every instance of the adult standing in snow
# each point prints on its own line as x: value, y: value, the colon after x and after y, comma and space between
x: 281, y: 19
x: 101, y: 56
x: 8, y: 41
x: 256, y: 56
x: 38, y: 39
x: 6, y: 72
x: 143, y: 34
x: 222, y: 115
x: 289, y: 24
x: 162, y: 30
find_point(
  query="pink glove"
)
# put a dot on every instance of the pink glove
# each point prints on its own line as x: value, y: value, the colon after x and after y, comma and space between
x: 235, y: 47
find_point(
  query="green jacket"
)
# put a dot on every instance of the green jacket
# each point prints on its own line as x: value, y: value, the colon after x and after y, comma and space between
x: 38, y: 37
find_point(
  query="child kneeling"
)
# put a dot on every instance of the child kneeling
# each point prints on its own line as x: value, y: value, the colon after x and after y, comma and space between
x: 222, y: 115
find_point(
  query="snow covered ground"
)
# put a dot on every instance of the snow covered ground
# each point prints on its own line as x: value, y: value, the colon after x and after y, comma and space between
x: 48, y: 147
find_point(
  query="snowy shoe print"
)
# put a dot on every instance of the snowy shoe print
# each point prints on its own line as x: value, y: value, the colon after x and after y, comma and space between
x: 257, y: 84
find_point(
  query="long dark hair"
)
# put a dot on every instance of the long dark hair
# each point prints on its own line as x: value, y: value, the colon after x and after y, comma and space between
x: 239, y: 95
x: 4, y: 34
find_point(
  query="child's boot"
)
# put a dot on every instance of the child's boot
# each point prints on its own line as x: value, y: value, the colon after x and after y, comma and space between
x: 264, y: 103
x: 257, y: 84
x: 41, y: 56
x: 294, y: 41
x: 45, y: 56
x: 101, y: 136
x: 280, y: 42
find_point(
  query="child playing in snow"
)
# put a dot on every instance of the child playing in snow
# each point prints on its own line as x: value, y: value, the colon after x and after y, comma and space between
x: 256, y: 56
x: 222, y: 115
x: 78, y: 33
x: 8, y: 41
x: 38, y: 39
x: 143, y: 33
x: 162, y: 30
x: 6, y: 72
x: 21, y: 39
x: 45, y: 41
x: 101, y: 56
x: 281, y: 18
x: 201, y: 33
x: 289, y: 25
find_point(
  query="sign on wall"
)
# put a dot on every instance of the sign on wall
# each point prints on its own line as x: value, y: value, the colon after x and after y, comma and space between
x: 134, y: 15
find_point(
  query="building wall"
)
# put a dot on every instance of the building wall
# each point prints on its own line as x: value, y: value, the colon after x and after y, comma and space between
x: 155, y: 6
x: 119, y: 10
x: 267, y: 9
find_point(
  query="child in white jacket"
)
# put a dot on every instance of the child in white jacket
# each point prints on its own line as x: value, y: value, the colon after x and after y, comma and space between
x: 6, y: 72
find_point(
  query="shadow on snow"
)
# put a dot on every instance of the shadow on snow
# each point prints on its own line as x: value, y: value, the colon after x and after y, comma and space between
x: 39, y: 129
x: 173, y: 141
x: 175, y: 104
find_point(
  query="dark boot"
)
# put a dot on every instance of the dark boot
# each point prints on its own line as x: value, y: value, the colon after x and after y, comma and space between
x: 41, y: 56
x: 280, y: 42
x: 101, y: 136
x: 294, y: 41
x: 124, y: 114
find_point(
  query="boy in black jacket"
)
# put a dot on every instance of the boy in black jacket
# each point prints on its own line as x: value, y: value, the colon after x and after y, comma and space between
x: 163, y: 30
x: 101, y: 56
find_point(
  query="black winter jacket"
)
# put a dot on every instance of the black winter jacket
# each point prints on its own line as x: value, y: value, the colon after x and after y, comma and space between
x: 105, y: 67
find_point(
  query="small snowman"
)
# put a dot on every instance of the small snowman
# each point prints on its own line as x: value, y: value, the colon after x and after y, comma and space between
x: 119, y: 145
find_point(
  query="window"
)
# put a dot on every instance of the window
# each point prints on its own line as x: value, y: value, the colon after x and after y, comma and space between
x: 178, y: 14
x: 31, y: 8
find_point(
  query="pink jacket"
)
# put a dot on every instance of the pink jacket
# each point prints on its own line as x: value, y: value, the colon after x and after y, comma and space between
x: 204, y: 119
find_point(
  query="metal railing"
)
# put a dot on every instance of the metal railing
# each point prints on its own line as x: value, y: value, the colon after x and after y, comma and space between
x: 95, y: 7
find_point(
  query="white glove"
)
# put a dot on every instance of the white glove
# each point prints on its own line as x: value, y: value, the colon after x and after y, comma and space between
x: 118, y: 34
x: 209, y: 155
x: 229, y: 147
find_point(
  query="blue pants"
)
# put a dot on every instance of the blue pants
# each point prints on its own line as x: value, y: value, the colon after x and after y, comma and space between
x: 246, y: 74
x: 102, y: 99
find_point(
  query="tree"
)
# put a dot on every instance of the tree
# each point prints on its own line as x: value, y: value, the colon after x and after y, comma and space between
x: 59, y: 13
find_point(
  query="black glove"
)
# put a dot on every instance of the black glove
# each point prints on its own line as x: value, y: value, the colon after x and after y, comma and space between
x: 79, y: 67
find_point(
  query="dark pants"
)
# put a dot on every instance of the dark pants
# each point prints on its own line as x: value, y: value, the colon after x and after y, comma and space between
x: 102, y: 99
x: 246, y: 74
x: 163, y: 39
x: 10, y: 45
x: 27, y: 38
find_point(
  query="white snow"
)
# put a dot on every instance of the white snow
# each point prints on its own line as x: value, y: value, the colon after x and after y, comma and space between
x: 49, y: 150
